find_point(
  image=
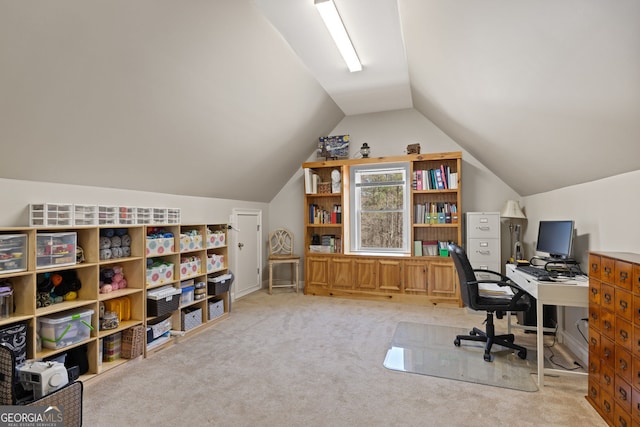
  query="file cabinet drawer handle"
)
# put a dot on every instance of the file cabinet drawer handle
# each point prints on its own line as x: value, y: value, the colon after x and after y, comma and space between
x: 607, y: 298
x: 623, y: 305
x: 622, y: 393
x: 624, y: 335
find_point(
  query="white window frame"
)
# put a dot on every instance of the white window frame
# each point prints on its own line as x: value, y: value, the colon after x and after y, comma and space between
x: 354, y: 199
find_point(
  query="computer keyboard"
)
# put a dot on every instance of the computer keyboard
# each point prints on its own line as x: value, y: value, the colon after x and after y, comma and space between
x: 539, y: 273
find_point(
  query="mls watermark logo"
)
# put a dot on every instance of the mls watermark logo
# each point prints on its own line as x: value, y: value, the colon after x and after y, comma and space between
x: 31, y: 416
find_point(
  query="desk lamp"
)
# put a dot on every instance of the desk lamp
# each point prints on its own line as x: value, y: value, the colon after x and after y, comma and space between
x: 512, y: 211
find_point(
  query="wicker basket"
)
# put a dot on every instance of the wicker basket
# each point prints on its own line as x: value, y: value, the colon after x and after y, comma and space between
x: 324, y: 187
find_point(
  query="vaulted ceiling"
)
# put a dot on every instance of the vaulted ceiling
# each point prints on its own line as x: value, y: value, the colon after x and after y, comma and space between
x: 226, y: 98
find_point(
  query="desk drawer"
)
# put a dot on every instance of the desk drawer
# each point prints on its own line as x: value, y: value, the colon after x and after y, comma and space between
x: 608, y: 297
x: 622, y: 395
x: 607, y: 379
x: 624, y: 364
x: 483, y: 250
x: 623, y: 274
x: 483, y: 225
x: 594, y: 291
x: 624, y: 304
x: 594, y: 266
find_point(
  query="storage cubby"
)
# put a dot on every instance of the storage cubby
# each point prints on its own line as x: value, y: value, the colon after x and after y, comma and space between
x: 61, y: 257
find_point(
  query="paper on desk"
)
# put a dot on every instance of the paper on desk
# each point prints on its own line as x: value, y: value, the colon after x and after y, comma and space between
x: 494, y: 290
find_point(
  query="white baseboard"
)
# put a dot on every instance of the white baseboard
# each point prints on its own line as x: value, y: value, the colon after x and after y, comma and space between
x: 576, y: 346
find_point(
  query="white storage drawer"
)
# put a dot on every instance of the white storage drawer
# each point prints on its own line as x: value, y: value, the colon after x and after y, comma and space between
x: 483, y: 224
x: 483, y: 249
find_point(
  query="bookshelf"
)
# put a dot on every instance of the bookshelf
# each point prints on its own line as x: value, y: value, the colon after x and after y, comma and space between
x: 417, y: 277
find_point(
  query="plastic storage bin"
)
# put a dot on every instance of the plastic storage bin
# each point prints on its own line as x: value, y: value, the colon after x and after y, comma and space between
x: 56, y: 249
x: 63, y: 329
x: 13, y: 253
x: 187, y: 295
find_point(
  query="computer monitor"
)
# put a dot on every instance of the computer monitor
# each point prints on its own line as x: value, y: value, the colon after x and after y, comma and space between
x: 556, y: 238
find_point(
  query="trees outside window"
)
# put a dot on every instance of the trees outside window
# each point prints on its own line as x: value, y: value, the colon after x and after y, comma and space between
x: 380, y: 206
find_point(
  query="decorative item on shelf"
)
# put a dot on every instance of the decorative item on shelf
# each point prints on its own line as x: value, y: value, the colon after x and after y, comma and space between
x: 324, y: 188
x: 413, y: 149
x: 512, y: 211
x: 336, y: 178
x: 365, y: 150
x: 333, y: 147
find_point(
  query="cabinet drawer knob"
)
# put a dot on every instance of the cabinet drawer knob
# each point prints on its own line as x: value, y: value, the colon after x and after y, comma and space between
x: 593, y: 393
x: 594, y: 342
x: 623, y: 364
x: 624, y: 335
x: 594, y: 291
x: 607, y: 379
x: 622, y: 393
x: 607, y: 298
x: 624, y: 275
x: 607, y: 324
x: 607, y: 353
x: 607, y: 406
x: 622, y: 421
x: 623, y: 305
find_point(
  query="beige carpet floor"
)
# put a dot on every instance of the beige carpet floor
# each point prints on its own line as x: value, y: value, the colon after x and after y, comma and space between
x: 295, y: 360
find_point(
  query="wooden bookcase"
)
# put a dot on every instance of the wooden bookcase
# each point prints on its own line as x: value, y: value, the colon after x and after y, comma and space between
x: 411, y: 278
x: 22, y: 266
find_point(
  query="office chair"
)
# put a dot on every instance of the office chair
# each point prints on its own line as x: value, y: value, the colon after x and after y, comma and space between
x: 281, y: 252
x: 497, y: 304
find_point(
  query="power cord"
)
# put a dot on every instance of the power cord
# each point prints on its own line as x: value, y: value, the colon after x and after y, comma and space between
x: 566, y: 368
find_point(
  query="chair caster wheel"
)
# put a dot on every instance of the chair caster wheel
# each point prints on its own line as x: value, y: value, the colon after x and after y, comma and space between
x: 456, y: 342
x: 522, y: 354
x: 487, y: 357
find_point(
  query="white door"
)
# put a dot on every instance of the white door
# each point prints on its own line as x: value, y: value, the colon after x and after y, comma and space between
x: 247, y: 250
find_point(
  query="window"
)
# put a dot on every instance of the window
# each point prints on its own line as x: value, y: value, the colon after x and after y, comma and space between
x: 380, y: 206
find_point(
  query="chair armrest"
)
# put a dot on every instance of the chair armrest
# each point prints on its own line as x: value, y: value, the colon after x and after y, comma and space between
x: 518, y: 292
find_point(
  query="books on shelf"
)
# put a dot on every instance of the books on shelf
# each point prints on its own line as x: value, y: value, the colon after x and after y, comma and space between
x: 430, y: 248
x: 435, y: 213
x: 319, y: 215
x: 440, y: 178
x: 311, y: 181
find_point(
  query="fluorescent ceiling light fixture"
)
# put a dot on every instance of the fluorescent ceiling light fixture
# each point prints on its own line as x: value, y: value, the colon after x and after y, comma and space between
x: 339, y: 33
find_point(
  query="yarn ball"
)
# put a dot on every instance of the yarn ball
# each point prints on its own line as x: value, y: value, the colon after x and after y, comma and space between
x: 122, y: 284
x: 70, y: 296
x: 116, y: 252
x: 121, y: 231
x: 107, y: 232
x: 117, y: 269
x: 126, y: 240
x: 117, y: 278
x: 126, y: 251
x: 106, y: 289
x: 105, y: 242
x: 116, y: 242
x: 105, y: 253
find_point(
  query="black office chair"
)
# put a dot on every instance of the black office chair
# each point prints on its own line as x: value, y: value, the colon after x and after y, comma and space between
x: 491, y: 304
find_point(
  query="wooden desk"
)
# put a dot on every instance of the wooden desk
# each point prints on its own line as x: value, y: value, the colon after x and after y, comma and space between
x: 572, y: 293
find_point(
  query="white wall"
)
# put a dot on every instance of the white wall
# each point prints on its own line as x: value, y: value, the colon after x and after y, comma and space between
x: 17, y: 195
x: 605, y: 214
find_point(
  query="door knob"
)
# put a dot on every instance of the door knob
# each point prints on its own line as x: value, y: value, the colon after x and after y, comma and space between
x: 240, y: 245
